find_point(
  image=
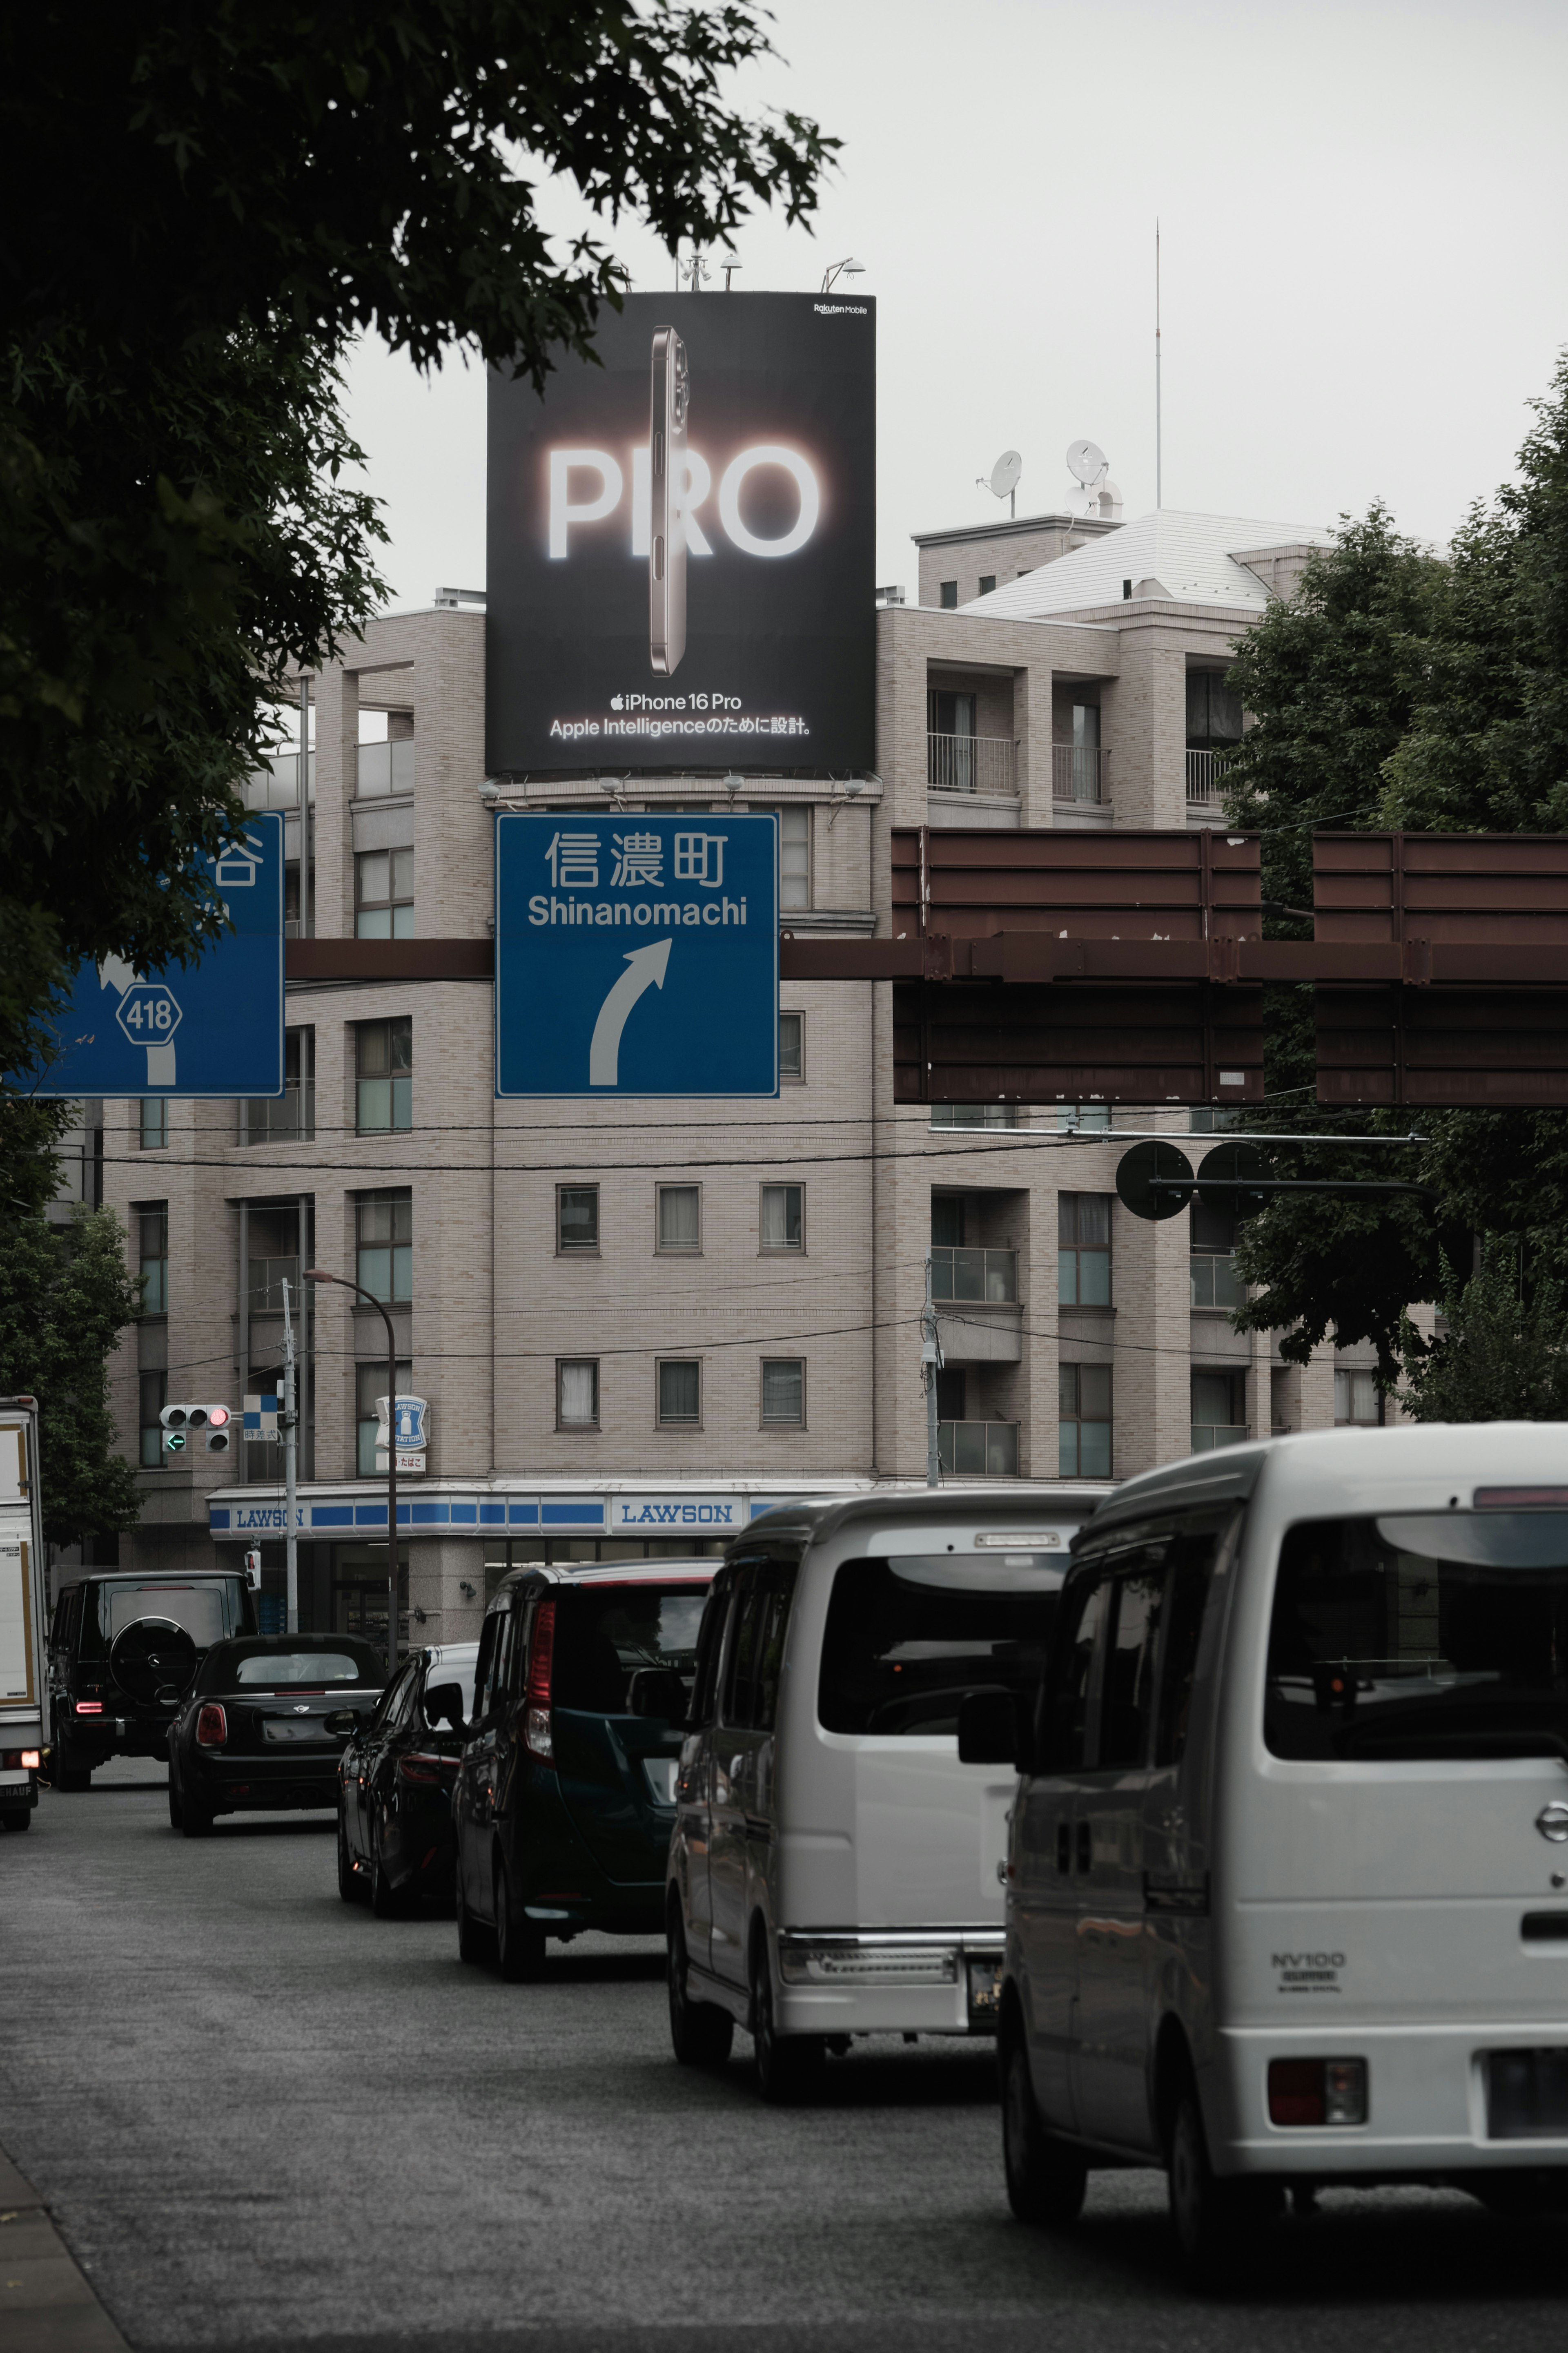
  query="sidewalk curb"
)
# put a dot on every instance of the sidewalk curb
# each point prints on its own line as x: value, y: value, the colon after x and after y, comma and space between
x: 46, y: 2303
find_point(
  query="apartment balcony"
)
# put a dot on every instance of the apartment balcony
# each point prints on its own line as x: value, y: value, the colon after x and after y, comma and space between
x: 385, y: 769
x: 276, y: 784
x: 1214, y: 1282
x: 985, y: 765
x: 987, y: 1274
x: 1206, y: 774
x: 1080, y: 775
x: 1207, y: 1435
x: 988, y: 1449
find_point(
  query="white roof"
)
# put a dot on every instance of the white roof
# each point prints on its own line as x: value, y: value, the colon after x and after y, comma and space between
x: 1193, y: 558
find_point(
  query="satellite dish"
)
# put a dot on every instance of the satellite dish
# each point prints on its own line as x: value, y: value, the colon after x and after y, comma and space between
x: 1087, y: 462
x: 1004, y: 474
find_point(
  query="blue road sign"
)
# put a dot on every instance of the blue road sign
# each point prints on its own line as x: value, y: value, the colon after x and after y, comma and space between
x: 212, y: 1028
x: 637, y: 954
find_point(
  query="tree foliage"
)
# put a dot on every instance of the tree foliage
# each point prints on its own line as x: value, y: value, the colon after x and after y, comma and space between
x: 1400, y: 690
x: 215, y: 201
x: 65, y: 1294
x: 1504, y: 1355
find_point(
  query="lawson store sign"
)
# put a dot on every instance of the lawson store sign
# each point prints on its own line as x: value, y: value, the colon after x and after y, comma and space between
x: 459, y: 1511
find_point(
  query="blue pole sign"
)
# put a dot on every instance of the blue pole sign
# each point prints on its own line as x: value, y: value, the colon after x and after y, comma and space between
x: 212, y: 1028
x: 637, y: 954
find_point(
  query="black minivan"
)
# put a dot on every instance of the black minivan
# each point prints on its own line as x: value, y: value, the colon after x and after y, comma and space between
x: 564, y: 1798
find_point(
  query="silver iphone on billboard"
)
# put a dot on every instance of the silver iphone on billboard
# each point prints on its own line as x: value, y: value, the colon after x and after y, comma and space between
x: 667, y: 538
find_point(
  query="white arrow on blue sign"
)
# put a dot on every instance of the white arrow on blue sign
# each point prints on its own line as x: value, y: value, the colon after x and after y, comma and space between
x: 637, y: 954
x: 117, y: 1028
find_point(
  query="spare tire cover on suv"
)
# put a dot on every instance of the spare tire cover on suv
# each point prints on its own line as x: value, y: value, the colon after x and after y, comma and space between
x: 153, y: 1659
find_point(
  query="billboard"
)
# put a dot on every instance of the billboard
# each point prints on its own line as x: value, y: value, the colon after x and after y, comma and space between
x: 682, y: 542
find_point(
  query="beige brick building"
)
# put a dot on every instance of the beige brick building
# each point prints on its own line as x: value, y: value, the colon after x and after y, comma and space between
x: 637, y: 1324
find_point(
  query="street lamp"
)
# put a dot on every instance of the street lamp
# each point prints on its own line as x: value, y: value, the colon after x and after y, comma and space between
x: 319, y: 1274
x: 835, y: 271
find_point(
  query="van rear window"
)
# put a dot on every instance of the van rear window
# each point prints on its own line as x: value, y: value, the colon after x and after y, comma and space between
x: 604, y: 1633
x: 1425, y: 1634
x: 907, y: 1639
x: 202, y: 1609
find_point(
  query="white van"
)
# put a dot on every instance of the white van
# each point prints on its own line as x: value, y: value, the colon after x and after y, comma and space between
x: 1287, y: 1878
x: 834, y: 1870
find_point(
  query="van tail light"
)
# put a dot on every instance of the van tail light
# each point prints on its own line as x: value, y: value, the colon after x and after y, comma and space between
x: 416, y: 1767
x: 537, y: 1732
x: 89, y: 1707
x: 211, y: 1726
x: 1317, y: 2092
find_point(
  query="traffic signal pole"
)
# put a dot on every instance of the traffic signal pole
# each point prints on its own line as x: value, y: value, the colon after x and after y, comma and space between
x: 319, y: 1274
x: 931, y: 1365
x: 290, y: 1465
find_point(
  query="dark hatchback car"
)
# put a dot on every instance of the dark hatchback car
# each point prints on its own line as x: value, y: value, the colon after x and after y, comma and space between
x: 122, y: 1649
x: 395, y: 1781
x: 565, y: 1798
x: 262, y: 1726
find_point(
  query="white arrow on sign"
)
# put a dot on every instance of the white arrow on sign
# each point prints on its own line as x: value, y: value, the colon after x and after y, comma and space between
x: 113, y: 972
x: 645, y: 969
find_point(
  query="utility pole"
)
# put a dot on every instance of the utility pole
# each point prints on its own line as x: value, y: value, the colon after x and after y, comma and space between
x: 290, y: 1465
x: 321, y: 1274
x: 1159, y: 473
x: 931, y: 1365
x: 305, y: 805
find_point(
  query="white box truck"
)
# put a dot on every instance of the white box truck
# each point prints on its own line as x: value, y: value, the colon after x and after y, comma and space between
x: 24, y: 1689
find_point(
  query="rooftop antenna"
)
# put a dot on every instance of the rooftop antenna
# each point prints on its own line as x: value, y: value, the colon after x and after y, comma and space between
x: 1087, y: 462
x: 695, y: 270
x: 1003, y: 481
x: 1159, y: 479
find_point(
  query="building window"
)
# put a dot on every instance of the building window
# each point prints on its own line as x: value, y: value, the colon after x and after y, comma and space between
x: 1219, y: 1410
x: 1357, y: 1402
x: 680, y: 1392
x: 1214, y: 711
x: 795, y: 853
x: 1078, y: 1119
x: 576, y: 1218
x: 783, y: 1217
x: 1083, y: 1250
x: 576, y: 1393
x: 1083, y: 1423
x: 949, y: 594
x: 385, y: 1237
x: 792, y: 1045
x: 153, y: 1251
x: 384, y: 1075
x: 987, y: 583
x: 679, y: 1217
x: 154, y: 1126
x: 784, y: 1392
x: 384, y: 894
x: 153, y: 1392
x: 997, y: 1114
x: 272, y: 1255
x: 1214, y: 1280
x: 370, y: 1383
x: 293, y: 1119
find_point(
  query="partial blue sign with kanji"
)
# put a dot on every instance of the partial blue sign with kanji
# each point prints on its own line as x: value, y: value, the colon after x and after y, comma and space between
x: 212, y: 1028
x: 637, y: 954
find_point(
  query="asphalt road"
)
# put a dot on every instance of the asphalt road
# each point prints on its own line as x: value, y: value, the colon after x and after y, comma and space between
x: 263, y: 2119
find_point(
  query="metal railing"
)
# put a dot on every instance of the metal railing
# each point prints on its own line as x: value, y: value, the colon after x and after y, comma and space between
x: 1079, y: 772
x: 1205, y: 778
x: 988, y: 1274
x: 971, y: 763
x: 385, y: 769
x: 1207, y: 1435
x: 989, y: 1447
x: 277, y: 786
x: 290, y: 1121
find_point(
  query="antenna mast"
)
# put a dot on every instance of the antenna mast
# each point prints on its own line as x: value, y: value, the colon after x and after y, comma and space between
x: 1159, y: 475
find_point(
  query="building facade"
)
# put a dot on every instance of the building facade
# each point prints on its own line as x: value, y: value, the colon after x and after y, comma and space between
x: 636, y: 1324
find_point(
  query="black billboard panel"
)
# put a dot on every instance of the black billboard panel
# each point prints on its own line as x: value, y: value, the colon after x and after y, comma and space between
x: 682, y: 542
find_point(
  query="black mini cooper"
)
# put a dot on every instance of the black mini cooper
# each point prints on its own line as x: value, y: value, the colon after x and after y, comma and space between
x: 262, y: 1726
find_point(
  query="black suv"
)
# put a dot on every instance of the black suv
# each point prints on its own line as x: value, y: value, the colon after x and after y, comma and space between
x: 122, y: 1648
x: 565, y: 1797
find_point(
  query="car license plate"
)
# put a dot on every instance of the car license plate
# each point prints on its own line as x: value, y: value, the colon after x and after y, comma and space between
x: 311, y: 1731
x: 1527, y: 2095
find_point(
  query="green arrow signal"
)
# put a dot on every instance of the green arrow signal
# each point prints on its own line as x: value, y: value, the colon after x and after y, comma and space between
x: 173, y: 1439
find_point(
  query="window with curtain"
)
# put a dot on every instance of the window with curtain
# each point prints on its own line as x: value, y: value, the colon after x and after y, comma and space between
x: 577, y: 1393
x: 784, y: 1390
x: 783, y: 1217
x: 1083, y: 1424
x: 1083, y: 1250
x: 577, y: 1217
x: 384, y: 1238
x: 1357, y: 1402
x: 680, y: 1217
x: 384, y: 1075
x: 680, y: 1391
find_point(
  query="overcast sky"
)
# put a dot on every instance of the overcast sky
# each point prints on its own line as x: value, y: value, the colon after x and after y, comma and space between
x: 1366, y: 269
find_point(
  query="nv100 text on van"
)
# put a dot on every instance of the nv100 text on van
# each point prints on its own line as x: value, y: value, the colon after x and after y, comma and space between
x: 834, y: 1870
x: 1288, y: 1874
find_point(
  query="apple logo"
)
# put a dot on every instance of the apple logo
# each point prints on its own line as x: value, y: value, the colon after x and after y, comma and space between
x: 617, y: 702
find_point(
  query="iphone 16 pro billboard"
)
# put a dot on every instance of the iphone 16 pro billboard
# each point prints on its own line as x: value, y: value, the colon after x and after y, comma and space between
x: 682, y: 542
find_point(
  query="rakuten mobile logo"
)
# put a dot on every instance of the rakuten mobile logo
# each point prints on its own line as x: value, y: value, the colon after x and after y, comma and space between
x: 587, y: 485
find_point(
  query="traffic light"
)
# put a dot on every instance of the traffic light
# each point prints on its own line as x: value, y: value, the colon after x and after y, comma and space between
x: 187, y: 1428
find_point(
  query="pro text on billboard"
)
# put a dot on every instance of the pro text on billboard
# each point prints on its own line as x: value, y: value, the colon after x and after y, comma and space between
x: 682, y: 542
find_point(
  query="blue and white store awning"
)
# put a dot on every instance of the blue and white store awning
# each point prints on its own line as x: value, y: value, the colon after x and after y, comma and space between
x: 481, y: 1509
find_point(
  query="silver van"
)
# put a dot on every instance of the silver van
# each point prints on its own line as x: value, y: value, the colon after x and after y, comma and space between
x: 834, y: 1870
x: 1288, y: 1874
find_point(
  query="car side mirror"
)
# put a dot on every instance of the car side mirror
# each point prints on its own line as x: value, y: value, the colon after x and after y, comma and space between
x: 444, y: 1705
x: 658, y: 1692
x: 343, y: 1722
x: 993, y: 1730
